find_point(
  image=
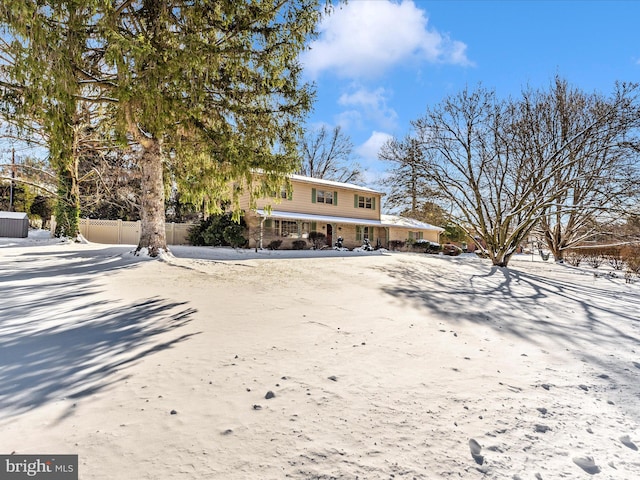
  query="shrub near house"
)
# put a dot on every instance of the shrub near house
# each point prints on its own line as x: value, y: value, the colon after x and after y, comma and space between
x: 218, y: 230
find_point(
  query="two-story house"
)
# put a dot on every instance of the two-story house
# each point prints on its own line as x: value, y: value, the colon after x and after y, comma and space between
x: 332, y: 208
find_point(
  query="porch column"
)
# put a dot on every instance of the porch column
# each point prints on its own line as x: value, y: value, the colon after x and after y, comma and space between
x: 261, y: 230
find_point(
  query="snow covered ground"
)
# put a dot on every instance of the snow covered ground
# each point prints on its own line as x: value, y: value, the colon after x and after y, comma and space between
x: 380, y: 365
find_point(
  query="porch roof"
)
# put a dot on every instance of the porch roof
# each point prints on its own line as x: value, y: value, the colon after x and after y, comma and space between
x: 308, y: 217
x: 387, y: 220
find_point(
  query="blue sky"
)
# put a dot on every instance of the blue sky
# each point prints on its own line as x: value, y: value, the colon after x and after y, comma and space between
x: 378, y: 64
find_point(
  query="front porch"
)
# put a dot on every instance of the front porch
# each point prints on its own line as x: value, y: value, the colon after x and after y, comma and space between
x: 265, y: 227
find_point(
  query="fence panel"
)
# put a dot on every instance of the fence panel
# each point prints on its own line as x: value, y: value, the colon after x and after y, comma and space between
x: 100, y: 231
x: 178, y: 233
x: 118, y: 232
x: 129, y: 233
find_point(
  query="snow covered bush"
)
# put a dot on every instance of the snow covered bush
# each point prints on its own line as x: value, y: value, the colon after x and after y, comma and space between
x: 573, y: 258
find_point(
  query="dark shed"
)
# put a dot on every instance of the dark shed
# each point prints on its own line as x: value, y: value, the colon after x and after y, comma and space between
x: 14, y: 224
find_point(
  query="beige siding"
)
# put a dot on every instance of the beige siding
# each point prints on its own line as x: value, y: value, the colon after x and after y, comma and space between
x: 302, y: 202
x: 402, y: 234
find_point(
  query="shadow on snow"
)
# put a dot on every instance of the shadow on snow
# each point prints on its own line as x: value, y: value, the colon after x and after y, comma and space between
x: 58, y: 340
x: 591, y: 316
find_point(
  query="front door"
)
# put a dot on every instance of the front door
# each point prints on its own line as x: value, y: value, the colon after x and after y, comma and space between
x: 329, y: 235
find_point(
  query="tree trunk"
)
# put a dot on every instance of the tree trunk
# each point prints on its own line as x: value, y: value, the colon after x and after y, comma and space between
x: 152, y: 215
x: 554, y: 241
x: 68, y: 202
x: 500, y: 259
x: 65, y: 162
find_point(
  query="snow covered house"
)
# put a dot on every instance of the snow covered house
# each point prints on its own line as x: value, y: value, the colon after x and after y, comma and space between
x: 334, y: 209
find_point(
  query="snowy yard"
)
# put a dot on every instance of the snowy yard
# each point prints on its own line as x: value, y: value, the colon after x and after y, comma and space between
x: 380, y: 365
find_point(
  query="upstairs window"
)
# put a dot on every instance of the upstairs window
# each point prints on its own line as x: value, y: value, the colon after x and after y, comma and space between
x: 281, y: 194
x: 360, y: 201
x: 324, y: 196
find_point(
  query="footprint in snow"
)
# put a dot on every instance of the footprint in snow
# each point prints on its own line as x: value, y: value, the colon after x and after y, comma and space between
x: 587, y: 464
x: 475, y: 448
x: 626, y: 441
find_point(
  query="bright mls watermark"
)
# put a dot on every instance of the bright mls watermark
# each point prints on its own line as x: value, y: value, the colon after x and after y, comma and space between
x: 39, y: 467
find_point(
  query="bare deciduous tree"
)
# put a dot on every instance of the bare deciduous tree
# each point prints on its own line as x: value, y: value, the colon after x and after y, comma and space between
x: 408, y: 180
x: 327, y: 154
x: 596, y: 179
x: 491, y: 186
x: 509, y: 166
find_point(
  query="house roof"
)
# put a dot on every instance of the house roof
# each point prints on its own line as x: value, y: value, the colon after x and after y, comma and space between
x: 322, y: 181
x: 385, y: 221
x: 404, y: 222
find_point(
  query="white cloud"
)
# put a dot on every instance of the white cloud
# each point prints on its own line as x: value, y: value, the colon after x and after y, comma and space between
x: 369, y: 104
x: 364, y: 98
x: 350, y: 119
x: 366, y: 37
x: 369, y: 149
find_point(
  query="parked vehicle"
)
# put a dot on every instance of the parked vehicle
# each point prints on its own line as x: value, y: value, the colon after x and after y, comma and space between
x: 451, y: 250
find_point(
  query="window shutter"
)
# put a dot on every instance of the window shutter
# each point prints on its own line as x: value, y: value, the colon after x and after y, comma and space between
x: 410, y: 235
x: 313, y: 226
x: 355, y: 201
x: 335, y: 198
x: 268, y: 223
x: 358, y: 233
x: 373, y: 203
x: 290, y: 195
x: 313, y: 195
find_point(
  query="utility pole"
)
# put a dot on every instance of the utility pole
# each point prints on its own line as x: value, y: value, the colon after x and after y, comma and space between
x: 13, y: 175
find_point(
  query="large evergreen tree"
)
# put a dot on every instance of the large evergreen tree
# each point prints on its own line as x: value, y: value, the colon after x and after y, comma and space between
x: 42, y: 48
x: 410, y: 187
x: 209, y: 90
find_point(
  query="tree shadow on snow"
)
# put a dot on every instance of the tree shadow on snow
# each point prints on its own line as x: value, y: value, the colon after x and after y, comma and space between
x: 57, y: 340
x: 590, y: 315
